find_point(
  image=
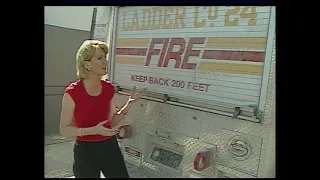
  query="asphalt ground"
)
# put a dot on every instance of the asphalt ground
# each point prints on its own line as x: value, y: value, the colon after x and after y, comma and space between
x: 59, y: 159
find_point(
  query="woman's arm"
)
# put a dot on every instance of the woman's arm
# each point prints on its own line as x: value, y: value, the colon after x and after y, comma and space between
x: 115, y: 116
x: 67, y: 128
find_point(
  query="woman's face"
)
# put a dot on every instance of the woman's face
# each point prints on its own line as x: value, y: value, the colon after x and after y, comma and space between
x: 98, y: 63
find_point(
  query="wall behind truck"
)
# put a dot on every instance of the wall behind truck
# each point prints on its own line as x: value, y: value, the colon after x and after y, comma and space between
x: 65, y: 29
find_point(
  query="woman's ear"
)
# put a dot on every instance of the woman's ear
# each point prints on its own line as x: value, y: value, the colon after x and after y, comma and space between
x: 86, y: 65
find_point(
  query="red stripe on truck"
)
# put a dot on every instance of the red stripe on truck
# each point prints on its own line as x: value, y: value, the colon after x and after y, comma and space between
x: 234, y: 55
x: 131, y: 51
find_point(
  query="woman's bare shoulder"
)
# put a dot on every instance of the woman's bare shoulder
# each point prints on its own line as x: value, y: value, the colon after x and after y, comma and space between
x: 72, y: 86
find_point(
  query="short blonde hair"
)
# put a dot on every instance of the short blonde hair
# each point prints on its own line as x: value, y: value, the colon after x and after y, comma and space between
x: 86, y: 51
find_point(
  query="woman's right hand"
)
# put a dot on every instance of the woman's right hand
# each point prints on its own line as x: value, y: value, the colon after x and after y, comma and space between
x: 101, y: 130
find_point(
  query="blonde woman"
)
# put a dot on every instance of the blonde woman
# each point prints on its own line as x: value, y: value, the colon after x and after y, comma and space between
x: 89, y: 114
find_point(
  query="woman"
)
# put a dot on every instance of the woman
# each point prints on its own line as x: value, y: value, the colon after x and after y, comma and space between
x: 88, y: 104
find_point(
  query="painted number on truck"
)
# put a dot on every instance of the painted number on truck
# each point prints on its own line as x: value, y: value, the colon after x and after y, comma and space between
x: 174, y: 17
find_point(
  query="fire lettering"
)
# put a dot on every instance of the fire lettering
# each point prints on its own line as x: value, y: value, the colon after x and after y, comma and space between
x: 190, y: 52
x: 166, y: 53
x: 175, y: 55
x: 163, y: 52
x: 153, y: 51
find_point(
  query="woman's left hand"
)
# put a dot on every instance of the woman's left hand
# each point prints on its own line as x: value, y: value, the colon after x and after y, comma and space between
x: 135, y: 96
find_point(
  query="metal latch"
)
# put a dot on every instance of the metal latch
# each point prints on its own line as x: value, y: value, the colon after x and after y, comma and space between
x: 255, y: 111
x: 236, y: 112
x: 117, y: 89
x: 165, y: 98
x: 260, y: 115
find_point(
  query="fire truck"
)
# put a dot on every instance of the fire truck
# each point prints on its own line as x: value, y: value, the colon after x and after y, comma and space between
x: 209, y: 109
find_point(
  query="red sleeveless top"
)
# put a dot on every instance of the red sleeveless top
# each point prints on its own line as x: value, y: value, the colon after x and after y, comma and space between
x: 90, y: 110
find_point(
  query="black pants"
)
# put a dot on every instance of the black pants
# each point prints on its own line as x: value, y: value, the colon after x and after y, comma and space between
x: 92, y: 157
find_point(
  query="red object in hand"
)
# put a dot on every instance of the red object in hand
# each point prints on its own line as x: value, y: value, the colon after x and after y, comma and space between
x: 124, y: 132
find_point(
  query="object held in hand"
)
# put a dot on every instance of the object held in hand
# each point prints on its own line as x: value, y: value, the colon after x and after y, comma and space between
x: 124, y: 132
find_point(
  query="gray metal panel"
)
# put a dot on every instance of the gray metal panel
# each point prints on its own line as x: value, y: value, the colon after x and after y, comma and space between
x: 210, y: 130
x: 268, y: 59
x: 215, y: 130
x: 61, y: 45
x: 249, y: 165
x: 54, y: 90
x: 267, y: 168
x: 197, y: 130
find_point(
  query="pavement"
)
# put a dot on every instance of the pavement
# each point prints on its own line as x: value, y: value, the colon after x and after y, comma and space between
x: 59, y: 159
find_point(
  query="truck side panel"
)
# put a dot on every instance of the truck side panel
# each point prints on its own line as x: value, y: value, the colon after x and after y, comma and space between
x: 160, y: 46
x: 213, y: 53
